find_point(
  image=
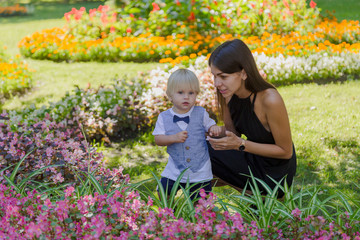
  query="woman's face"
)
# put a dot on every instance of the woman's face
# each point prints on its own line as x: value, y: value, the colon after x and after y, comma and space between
x: 228, y: 83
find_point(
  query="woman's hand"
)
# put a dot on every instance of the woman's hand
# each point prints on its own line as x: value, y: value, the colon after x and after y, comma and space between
x: 230, y: 142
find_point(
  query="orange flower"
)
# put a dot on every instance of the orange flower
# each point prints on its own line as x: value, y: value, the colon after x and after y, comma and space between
x: 193, y: 55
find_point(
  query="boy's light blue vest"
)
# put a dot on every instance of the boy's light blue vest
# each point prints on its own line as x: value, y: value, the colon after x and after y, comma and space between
x: 192, y: 153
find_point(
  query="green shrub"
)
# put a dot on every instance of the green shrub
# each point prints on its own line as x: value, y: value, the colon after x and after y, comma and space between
x: 105, y: 113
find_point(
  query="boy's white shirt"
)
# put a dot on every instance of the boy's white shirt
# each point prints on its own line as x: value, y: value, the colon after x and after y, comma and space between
x: 170, y: 171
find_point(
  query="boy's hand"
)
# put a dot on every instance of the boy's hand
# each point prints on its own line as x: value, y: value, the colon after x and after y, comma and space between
x: 216, y: 131
x: 180, y: 137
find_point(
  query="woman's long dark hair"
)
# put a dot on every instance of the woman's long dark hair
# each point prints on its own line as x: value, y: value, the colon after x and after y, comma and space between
x: 234, y: 56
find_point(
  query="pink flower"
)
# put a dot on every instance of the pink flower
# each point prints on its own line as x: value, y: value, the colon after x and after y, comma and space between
x: 32, y: 230
x: 155, y: 7
x: 69, y: 191
x: 12, y: 211
x: 312, y: 4
x: 92, y: 12
x: 58, y: 178
x: 296, y: 213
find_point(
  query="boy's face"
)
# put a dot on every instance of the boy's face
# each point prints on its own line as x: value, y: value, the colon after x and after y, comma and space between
x: 183, y: 99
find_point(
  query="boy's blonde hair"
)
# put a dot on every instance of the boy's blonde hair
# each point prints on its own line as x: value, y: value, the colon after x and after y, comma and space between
x: 182, y: 77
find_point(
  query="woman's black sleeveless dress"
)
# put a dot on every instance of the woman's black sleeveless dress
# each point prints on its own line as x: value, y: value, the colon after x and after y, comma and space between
x: 232, y: 165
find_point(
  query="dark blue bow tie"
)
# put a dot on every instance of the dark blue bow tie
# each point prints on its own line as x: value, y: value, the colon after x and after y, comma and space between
x: 185, y: 119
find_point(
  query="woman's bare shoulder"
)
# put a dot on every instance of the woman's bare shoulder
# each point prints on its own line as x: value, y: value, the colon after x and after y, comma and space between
x: 270, y: 97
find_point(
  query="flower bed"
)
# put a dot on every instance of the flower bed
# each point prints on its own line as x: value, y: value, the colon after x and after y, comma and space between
x: 123, y: 215
x: 137, y: 33
x: 14, y: 10
x: 48, y: 152
x: 55, y: 44
x: 15, y: 76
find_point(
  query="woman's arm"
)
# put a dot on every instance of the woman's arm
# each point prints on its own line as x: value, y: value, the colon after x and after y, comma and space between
x: 278, y: 122
x: 277, y: 119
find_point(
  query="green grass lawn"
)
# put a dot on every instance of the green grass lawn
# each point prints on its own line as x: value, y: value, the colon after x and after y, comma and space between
x: 52, y: 79
x: 348, y: 9
x: 324, y: 118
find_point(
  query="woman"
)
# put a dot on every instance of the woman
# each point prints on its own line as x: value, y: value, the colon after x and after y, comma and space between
x: 250, y: 106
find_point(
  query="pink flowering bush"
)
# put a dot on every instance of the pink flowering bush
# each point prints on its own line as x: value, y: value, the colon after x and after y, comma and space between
x: 317, y: 227
x: 183, y: 17
x: 123, y: 215
x: 58, y: 154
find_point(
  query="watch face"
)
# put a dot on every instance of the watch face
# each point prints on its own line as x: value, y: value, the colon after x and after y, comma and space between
x: 241, y: 148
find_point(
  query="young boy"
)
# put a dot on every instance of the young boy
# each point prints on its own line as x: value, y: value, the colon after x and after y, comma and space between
x: 182, y: 129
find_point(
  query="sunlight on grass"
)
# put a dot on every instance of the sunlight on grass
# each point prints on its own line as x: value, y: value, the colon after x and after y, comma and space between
x: 53, y: 80
x: 326, y: 132
x: 349, y: 9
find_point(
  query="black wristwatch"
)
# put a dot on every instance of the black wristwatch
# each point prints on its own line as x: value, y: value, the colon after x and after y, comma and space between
x: 242, y: 146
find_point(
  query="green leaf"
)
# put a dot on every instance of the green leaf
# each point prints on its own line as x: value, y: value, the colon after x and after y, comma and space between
x: 68, y: 220
x: 13, y: 174
x: 96, y: 184
x: 12, y: 184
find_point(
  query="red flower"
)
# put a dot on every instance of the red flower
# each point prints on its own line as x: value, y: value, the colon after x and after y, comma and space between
x: 192, y: 16
x: 128, y: 30
x: 177, y: 2
x: 155, y: 7
x: 312, y: 4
